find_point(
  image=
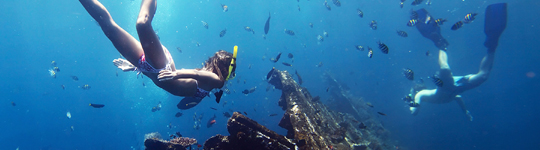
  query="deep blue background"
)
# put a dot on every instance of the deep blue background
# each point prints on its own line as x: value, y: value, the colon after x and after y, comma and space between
x: 35, y: 32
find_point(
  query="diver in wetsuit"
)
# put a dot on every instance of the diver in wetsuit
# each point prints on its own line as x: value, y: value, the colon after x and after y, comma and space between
x: 452, y: 86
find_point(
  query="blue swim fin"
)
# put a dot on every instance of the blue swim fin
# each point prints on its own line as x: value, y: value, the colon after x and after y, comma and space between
x: 495, y: 24
x: 429, y: 29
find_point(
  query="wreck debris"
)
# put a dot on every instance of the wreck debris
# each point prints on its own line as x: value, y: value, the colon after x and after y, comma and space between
x: 153, y: 141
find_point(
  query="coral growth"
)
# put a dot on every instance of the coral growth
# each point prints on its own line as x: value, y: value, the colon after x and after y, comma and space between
x: 184, y: 141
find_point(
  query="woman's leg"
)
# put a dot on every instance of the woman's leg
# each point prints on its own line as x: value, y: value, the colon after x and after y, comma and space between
x: 151, y: 45
x: 126, y: 44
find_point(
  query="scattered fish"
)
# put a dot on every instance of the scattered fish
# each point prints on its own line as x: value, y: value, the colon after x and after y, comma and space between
x: 416, y: 2
x: 428, y: 53
x: 96, y: 105
x: 428, y: 2
x: 75, y: 78
x: 440, y: 21
x: 63, y: 87
x: 13, y: 104
x: 246, y: 91
x: 56, y: 69
x: 413, y: 104
x: 360, y: 13
x: 52, y: 73
x: 197, y: 44
x: 373, y: 25
x: 53, y: 63
x: 85, y: 87
x: 469, y: 17
x: 328, y: 88
x: 211, y: 122
x: 325, y: 33
x: 249, y: 66
x: 223, y: 32
x: 319, y: 65
x: 179, y: 50
x: 144, y: 85
x: 408, y: 73
x: 401, y: 4
x: 380, y: 113
x: 225, y: 7
x: 71, y: 128
x: 213, y: 108
x: 402, y: 33
x: 362, y: 126
x: 369, y: 104
x: 226, y: 114
x: 320, y: 38
x: 299, y: 78
x: 311, y: 25
x: 408, y: 99
x: 267, y: 25
x: 370, y: 52
x: 117, y: 73
x: 277, y: 58
x: 437, y: 81
x: 289, y: 32
x: 205, y: 25
x: 264, y: 36
x: 249, y: 29
x: 287, y: 64
x: 178, y: 114
x: 383, y: 47
x: 336, y: 2
x: 298, y: 7
x: 290, y: 55
x: 245, y: 113
x: 457, y: 25
x: 360, y: 48
x: 68, y: 114
x: 412, y: 22
x: 157, y: 107
x: 326, y: 5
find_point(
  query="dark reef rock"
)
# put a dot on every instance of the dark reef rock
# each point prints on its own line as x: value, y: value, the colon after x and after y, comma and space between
x: 247, y: 134
x: 153, y: 141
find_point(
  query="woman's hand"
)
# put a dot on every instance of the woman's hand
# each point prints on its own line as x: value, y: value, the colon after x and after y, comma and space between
x: 123, y: 64
x: 165, y: 75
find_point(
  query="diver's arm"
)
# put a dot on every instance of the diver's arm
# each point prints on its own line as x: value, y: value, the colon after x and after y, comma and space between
x: 459, y: 100
x: 202, y: 76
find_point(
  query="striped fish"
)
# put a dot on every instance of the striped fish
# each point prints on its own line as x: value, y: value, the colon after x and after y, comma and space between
x: 360, y: 48
x: 408, y: 73
x: 383, y: 47
x: 469, y: 17
x: 402, y: 33
x: 412, y: 22
x: 457, y: 25
x: 440, y: 21
x: 437, y: 81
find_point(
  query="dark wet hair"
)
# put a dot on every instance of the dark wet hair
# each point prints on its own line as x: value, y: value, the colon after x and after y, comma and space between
x: 219, y: 64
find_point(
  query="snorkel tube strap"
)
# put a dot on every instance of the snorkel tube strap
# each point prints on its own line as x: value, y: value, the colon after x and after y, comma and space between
x: 232, y: 66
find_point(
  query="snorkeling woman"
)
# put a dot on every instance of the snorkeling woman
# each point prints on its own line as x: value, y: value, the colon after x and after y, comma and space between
x: 152, y: 59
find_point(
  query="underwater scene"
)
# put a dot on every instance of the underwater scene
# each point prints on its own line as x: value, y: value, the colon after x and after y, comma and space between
x: 269, y: 74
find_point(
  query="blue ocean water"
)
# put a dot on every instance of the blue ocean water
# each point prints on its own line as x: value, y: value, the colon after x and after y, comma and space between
x: 34, y: 33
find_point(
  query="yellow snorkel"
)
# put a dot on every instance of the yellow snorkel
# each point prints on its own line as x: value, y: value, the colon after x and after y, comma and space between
x: 232, y: 66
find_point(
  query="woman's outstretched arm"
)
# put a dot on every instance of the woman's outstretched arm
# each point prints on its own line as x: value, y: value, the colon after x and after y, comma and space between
x: 126, y: 44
